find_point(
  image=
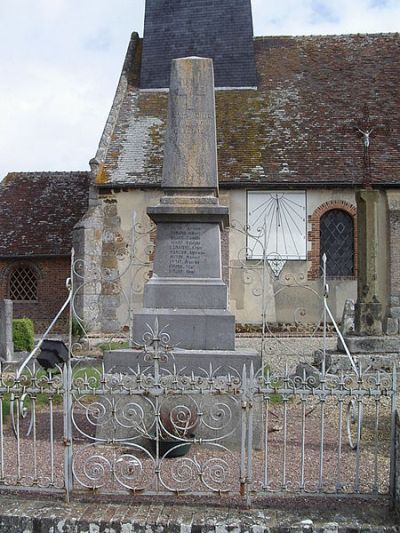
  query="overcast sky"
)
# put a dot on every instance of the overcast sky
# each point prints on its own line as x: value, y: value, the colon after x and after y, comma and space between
x: 60, y: 62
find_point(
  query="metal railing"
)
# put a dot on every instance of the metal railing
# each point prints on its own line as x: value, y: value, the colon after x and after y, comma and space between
x: 160, y: 429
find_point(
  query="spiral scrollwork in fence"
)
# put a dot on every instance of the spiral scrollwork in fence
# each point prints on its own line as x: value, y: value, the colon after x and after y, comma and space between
x: 130, y: 468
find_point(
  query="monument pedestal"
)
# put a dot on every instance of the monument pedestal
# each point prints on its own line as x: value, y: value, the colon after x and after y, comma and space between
x: 186, y: 295
x: 337, y: 361
x: 186, y: 292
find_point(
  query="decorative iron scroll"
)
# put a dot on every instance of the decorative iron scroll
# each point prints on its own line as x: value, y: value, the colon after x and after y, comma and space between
x: 160, y: 428
x: 270, y: 282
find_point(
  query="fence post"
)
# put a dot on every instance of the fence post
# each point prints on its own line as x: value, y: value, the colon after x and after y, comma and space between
x: 67, y: 390
x: 250, y: 410
x: 67, y: 408
x: 244, y: 435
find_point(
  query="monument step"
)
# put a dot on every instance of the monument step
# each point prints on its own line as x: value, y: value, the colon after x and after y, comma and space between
x: 337, y: 361
x: 187, y: 361
x: 203, y: 329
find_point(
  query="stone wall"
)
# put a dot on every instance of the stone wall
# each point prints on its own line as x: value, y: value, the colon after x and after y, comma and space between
x: 293, y: 293
x: 87, y: 241
x: 153, y: 516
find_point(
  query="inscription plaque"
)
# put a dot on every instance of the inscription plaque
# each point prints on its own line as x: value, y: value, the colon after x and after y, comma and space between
x: 186, y: 251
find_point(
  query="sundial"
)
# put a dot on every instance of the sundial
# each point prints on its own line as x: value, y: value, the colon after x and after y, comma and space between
x: 277, y: 227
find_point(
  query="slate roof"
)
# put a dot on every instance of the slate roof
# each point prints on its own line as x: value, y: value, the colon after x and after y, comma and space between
x: 222, y: 30
x: 38, y: 211
x: 297, y: 129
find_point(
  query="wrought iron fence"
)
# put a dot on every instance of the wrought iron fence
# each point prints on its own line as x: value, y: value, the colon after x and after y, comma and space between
x: 161, y: 429
x: 284, y: 302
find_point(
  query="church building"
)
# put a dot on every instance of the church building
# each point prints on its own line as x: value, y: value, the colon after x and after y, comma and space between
x: 303, y: 124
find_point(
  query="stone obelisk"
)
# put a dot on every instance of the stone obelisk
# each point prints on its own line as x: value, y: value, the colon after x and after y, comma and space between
x: 186, y: 291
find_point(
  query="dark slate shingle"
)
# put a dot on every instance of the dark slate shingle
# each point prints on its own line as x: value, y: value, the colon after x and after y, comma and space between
x: 219, y: 29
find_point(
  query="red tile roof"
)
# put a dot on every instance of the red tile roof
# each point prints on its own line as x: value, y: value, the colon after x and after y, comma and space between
x: 38, y: 211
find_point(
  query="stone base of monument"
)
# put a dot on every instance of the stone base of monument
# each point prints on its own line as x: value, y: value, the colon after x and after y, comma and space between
x: 212, y: 329
x: 374, y: 352
x: 186, y: 361
x: 337, y: 361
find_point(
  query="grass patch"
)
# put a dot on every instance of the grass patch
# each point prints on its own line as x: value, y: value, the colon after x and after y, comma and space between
x: 5, y: 406
x: 113, y: 345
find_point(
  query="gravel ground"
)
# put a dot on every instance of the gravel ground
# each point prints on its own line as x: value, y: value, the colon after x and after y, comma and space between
x: 280, y: 349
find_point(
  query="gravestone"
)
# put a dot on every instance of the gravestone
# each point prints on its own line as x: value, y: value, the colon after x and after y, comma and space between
x: 6, y: 336
x: 186, y: 293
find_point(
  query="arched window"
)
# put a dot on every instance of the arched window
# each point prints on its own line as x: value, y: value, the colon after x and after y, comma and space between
x: 23, y: 284
x: 337, y: 242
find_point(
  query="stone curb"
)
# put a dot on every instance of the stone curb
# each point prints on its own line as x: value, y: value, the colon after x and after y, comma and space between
x: 19, y: 515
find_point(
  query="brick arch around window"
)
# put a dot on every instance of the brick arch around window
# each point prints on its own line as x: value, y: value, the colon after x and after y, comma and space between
x: 28, y: 274
x: 314, y: 234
